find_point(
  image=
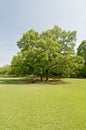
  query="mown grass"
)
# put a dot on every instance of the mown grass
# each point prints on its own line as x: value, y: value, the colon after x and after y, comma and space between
x: 43, y: 106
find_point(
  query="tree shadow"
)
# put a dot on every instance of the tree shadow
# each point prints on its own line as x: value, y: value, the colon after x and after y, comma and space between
x: 14, y: 81
x: 53, y: 82
x: 31, y: 81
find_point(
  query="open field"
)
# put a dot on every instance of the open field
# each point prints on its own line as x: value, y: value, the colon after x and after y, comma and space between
x: 43, y: 106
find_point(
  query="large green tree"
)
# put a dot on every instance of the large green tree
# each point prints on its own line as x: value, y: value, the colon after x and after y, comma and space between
x: 44, y: 52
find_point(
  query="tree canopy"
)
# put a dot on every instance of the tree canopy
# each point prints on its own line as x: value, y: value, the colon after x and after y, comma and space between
x: 48, y: 52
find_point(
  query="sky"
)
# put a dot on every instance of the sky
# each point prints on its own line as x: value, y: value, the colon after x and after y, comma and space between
x: 19, y: 16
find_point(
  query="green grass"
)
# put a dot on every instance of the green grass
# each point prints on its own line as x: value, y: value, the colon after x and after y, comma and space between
x: 43, y: 106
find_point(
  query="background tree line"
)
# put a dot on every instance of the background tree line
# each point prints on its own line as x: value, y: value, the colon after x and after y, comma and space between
x: 49, y: 53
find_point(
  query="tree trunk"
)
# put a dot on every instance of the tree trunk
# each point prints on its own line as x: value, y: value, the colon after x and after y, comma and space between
x: 85, y: 61
x: 47, y: 75
x: 41, y: 78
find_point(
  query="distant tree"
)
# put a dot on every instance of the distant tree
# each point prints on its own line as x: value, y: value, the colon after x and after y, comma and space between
x: 5, y: 70
x: 81, y: 51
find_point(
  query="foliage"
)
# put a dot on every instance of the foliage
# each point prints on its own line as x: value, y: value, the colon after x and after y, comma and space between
x: 81, y: 51
x: 18, y: 66
x: 42, y: 53
x: 69, y: 66
x: 5, y: 70
x: 75, y: 66
x: 82, y: 72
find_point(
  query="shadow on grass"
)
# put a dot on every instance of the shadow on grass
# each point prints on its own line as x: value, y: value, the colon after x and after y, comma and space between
x: 30, y: 81
x: 14, y: 81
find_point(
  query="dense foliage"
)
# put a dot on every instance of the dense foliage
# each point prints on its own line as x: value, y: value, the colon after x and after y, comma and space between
x: 49, y: 53
x: 5, y: 70
x: 81, y: 51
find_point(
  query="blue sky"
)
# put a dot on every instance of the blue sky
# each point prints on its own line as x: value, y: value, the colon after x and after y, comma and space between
x: 18, y: 16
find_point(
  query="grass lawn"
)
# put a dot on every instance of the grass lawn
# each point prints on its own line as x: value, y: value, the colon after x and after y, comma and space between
x: 43, y: 106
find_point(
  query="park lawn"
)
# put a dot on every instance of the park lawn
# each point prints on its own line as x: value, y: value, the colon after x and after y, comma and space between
x: 43, y: 106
